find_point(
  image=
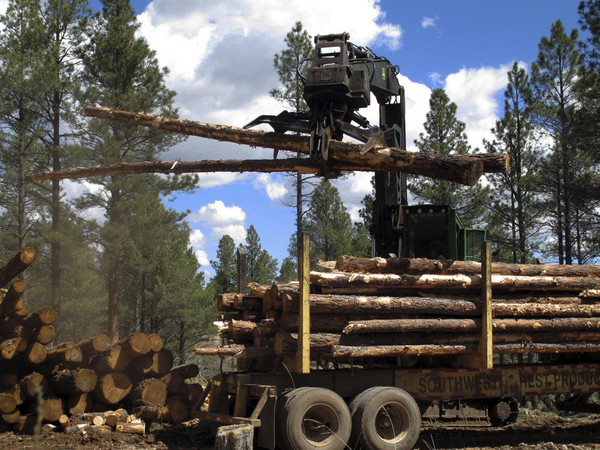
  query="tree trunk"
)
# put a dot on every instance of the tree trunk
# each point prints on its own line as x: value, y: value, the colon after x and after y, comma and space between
x: 41, y: 317
x: 422, y: 266
x: 78, y: 404
x: 44, y: 334
x: 187, y: 370
x: 318, y: 322
x: 33, y: 383
x: 16, y: 265
x: 354, y: 281
x: 342, y: 155
x: 382, y: 305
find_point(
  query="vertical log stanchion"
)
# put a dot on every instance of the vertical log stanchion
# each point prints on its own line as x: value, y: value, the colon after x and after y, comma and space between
x: 241, y: 271
x: 303, y: 352
x: 486, y: 343
x: 484, y: 357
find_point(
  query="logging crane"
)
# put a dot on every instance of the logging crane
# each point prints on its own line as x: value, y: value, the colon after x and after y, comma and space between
x: 337, y: 85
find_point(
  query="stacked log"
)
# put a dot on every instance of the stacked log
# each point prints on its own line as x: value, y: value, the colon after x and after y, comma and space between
x: 417, y: 307
x: 93, y: 376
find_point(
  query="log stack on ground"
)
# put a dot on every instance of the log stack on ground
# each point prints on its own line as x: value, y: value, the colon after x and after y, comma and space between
x: 92, y: 375
x: 419, y: 308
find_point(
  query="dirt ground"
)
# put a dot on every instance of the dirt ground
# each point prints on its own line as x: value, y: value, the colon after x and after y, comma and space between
x: 533, y: 431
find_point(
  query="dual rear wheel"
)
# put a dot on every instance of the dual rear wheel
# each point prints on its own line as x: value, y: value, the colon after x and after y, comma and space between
x: 379, y: 418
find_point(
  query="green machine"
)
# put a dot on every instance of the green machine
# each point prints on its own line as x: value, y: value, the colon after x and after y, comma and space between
x: 436, y: 232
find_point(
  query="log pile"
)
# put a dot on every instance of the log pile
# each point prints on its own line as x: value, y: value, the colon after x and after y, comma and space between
x: 418, y: 308
x: 94, y: 377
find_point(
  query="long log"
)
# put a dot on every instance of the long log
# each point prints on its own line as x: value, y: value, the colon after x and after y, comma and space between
x: 33, y: 383
x: 318, y: 322
x: 320, y: 303
x: 219, y: 351
x: 151, y: 392
x: 342, y: 155
x: 471, y: 325
x: 240, y: 330
x: 78, y: 404
x: 421, y: 266
x: 16, y: 265
x: 426, y: 281
x: 162, y: 362
x: 40, y: 317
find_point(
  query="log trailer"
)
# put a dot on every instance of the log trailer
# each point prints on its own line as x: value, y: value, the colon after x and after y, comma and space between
x: 373, y: 396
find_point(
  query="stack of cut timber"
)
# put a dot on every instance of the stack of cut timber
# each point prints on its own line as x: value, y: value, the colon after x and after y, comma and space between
x: 400, y: 307
x: 91, y: 376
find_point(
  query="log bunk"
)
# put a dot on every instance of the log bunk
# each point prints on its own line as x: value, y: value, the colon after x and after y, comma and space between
x: 92, y: 384
x: 417, y: 312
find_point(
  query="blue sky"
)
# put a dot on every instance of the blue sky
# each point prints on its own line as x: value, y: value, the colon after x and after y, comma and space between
x: 220, y: 57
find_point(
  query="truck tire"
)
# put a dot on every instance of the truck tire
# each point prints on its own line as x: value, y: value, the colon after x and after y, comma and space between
x: 312, y: 418
x: 385, y: 418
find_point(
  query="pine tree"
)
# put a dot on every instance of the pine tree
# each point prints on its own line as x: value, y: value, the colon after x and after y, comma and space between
x: 287, y: 271
x: 554, y: 80
x: 291, y: 66
x: 65, y: 23
x: 329, y: 225
x: 225, y: 267
x: 445, y: 134
x: 22, y: 84
x: 261, y: 267
x: 515, y: 212
x: 121, y: 71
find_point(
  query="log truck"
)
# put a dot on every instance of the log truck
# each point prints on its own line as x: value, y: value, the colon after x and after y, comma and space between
x: 378, y: 404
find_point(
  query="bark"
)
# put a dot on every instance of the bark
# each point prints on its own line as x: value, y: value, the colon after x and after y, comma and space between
x: 421, y: 266
x: 345, y: 352
x: 240, y: 330
x: 64, y: 355
x: 73, y: 382
x: 11, y: 417
x: 342, y: 155
x: 96, y: 344
x: 132, y: 428
x: 16, y: 265
x: 219, y: 351
x: 112, y: 388
x: 318, y: 322
x: 246, y: 302
x: 266, y: 328
x: 382, y: 305
x: 252, y: 316
x: 355, y: 281
x: 225, y: 302
x: 8, y: 380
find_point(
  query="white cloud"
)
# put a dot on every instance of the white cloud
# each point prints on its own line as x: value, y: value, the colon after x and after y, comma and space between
x: 428, y: 22
x: 272, y: 184
x: 216, y: 214
x: 474, y: 92
x: 237, y: 232
x: 209, y: 180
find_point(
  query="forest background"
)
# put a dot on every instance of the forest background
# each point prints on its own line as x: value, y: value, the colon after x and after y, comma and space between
x: 134, y: 268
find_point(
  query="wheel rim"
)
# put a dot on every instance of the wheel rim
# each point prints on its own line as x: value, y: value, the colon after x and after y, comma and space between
x: 320, y: 425
x: 392, y: 422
